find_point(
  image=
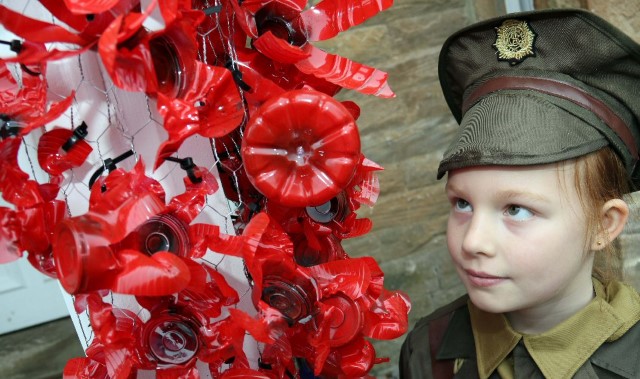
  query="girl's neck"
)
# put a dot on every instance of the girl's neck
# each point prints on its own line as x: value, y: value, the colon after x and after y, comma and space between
x: 543, y: 317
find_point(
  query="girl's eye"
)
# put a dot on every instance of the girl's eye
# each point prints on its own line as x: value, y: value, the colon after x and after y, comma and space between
x: 462, y: 205
x: 518, y: 213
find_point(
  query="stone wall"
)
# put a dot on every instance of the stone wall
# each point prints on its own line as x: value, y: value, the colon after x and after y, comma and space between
x: 408, y: 134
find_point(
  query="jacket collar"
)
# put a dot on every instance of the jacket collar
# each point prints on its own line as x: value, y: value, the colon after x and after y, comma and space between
x: 559, y: 352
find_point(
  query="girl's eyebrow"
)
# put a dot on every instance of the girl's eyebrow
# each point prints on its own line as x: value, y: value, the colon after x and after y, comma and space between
x: 448, y: 187
x: 516, y: 194
x: 505, y: 194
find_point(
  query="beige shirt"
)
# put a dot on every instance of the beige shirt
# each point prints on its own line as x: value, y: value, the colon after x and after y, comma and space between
x: 563, y: 350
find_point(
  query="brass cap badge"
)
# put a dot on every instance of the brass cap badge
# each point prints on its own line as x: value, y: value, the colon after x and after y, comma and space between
x: 514, y: 41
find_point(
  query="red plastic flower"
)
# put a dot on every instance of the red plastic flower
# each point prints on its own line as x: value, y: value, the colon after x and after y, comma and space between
x: 31, y: 230
x: 30, y: 224
x: 158, y: 61
x: 282, y: 30
x: 317, y: 231
x: 211, y: 107
x: 301, y: 148
x: 62, y: 149
x: 169, y: 341
x: 330, y: 308
x: 129, y: 241
x: 90, y: 18
x: 36, y: 33
x: 25, y: 105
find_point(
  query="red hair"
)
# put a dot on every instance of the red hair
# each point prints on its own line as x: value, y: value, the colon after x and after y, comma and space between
x: 599, y: 177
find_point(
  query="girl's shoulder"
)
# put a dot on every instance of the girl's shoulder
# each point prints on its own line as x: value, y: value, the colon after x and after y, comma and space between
x: 427, y: 349
x: 621, y: 356
x: 438, y: 319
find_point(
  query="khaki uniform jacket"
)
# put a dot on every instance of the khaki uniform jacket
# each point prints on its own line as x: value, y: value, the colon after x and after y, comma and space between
x: 601, y: 341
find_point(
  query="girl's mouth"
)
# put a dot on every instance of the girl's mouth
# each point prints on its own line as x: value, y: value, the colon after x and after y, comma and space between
x: 482, y: 279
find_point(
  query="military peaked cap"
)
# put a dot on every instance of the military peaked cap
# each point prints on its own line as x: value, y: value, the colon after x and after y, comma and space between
x: 541, y: 87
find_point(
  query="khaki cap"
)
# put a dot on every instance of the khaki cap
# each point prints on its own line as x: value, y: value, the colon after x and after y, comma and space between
x: 541, y: 87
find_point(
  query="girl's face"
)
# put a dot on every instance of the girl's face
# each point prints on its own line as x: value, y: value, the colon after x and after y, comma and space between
x: 517, y: 237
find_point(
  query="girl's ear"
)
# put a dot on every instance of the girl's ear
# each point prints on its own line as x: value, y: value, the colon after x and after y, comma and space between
x: 614, y: 215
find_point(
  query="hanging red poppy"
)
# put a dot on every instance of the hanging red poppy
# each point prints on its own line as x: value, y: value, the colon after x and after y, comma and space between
x: 301, y: 148
x: 60, y: 150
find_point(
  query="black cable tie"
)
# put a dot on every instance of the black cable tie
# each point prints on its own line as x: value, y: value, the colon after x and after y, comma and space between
x: 9, y: 127
x: 212, y: 10
x: 80, y: 133
x: 237, y: 75
x: 15, y: 45
x: 262, y: 364
x: 28, y: 70
x: 120, y: 158
x: 187, y: 165
x: 110, y: 165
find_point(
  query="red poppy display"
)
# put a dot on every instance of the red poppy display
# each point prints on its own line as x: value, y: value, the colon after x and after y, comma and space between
x: 246, y: 76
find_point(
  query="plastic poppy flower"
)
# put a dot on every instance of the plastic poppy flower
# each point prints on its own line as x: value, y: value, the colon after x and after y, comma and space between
x: 31, y: 230
x: 129, y: 241
x: 115, y: 351
x: 330, y: 308
x: 317, y: 231
x: 135, y: 59
x: 36, y: 33
x: 336, y: 217
x: 211, y: 107
x: 90, y: 18
x: 266, y: 243
x: 301, y: 148
x: 176, y: 336
x: 86, y: 259
x: 62, y: 149
x: 29, y: 226
x: 151, y: 62
x: 283, y: 30
x: 24, y: 105
x: 285, y: 76
x: 178, y: 331
x: 351, y: 310
x: 311, y: 229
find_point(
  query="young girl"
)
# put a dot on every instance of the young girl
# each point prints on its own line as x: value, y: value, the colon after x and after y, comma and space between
x: 549, y: 111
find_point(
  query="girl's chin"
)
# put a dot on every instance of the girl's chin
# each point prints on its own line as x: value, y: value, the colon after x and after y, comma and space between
x: 490, y: 303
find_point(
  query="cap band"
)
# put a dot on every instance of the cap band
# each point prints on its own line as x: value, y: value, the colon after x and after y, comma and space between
x: 562, y: 90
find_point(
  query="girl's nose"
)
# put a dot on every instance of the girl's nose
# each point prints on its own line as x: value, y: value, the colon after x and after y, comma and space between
x: 478, y: 238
